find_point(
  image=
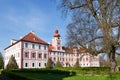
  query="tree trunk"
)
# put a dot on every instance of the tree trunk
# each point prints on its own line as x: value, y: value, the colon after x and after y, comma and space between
x: 113, y: 66
x: 113, y: 63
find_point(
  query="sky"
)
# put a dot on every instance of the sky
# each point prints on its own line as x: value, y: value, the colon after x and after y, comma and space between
x: 19, y: 17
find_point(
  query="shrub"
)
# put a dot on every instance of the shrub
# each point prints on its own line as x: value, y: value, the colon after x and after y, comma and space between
x: 1, y: 61
x: 49, y: 64
x: 12, y: 64
x: 87, y: 70
x: 76, y: 64
x: 12, y: 73
x: 58, y: 64
x: 14, y: 76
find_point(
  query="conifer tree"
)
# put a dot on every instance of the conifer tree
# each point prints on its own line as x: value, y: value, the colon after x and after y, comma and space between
x: 49, y: 64
x: 58, y: 64
x: 76, y: 64
x: 12, y: 64
x: 1, y: 61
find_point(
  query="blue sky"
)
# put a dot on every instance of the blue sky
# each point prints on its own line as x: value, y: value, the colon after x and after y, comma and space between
x: 19, y: 17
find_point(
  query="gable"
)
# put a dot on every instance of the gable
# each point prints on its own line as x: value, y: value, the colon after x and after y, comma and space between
x: 31, y: 37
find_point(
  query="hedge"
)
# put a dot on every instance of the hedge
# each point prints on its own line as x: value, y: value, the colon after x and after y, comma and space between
x: 12, y: 73
x: 54, y: 71
x: 14, y: 76
x: 88, y: 70
x: 68, y: 71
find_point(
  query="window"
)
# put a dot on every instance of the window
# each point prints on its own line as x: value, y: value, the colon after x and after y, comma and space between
x: 72, y: 59
x: 58, y: 42
x: 33, y: 55
x: 26, y: 64
x: 45, y: 64
x: 58, y: 48
x: 39, y: 64
x: 45, y: 56
x: 83, y: 59
x: 44, y: 47
x: 63, y: 59
x: 26, y: 54
x: 33, y: 46
x: 26, y: 45
x: 54, y: 59
x: 33, y: 64
x: 39, y: 46
x: 39, y: 55
x: 86, y: 59
x: 74, y: 50
x: 60, y: 59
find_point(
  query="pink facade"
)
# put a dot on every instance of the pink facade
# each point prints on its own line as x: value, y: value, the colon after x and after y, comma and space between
x: 69, y: 56
x: 33, y: 52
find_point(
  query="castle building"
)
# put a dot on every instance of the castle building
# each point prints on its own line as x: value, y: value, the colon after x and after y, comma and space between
x: 32, y: 52
x: 29, y: 52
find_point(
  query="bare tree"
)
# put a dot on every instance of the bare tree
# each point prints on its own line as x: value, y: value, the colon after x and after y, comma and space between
x: 95, y: 23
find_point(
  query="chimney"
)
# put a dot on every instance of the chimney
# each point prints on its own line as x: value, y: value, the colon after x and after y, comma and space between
x: 13, y: 41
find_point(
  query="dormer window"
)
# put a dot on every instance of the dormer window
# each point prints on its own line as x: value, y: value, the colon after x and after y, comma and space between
x: 74, y: 50
x: 34, y: 38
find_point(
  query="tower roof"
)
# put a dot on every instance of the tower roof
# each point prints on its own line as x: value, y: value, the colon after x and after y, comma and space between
x: 56, y: 34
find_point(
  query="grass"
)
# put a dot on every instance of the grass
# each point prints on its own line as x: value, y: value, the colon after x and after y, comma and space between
x: 37, y: 74
x: 78, y: 77
x: 43, y: 76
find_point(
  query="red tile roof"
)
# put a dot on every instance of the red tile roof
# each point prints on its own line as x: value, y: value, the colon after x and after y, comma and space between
x: 82, y: 50
x: 50, y: 47
x: 31, y: 37
x: 79, y: 50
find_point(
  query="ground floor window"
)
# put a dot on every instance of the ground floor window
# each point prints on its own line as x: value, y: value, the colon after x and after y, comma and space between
x: 33, y: 64
x: 39, y: 64
x: 45, y: 64
x: 26, y: 64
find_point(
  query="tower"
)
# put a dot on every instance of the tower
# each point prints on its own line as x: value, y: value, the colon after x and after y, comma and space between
x: 56, y: 41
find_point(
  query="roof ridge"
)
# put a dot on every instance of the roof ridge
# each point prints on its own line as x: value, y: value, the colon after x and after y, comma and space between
x: 31, y: 37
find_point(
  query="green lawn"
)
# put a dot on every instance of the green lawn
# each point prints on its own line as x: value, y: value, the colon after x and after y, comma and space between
x: 77, y: 77
x: 43, y: 76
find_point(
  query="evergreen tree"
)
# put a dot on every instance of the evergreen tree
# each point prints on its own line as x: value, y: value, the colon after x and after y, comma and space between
x: 58, y: 64
x: 1, y: 61
x: 12, y: 64
x: 49, y: 64
x: 77, y: 64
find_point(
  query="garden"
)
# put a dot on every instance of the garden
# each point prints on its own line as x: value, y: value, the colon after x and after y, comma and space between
x: 62, y: 74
